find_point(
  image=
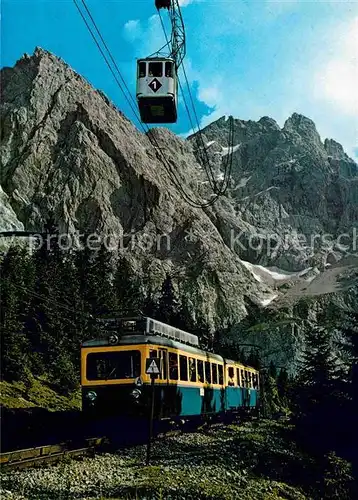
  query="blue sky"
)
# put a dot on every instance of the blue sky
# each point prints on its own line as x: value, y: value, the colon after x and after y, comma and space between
x: 246, y: 58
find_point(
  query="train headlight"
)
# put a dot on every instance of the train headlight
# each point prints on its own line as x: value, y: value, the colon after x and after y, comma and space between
x: 91, y: 396
x: 136, y: 394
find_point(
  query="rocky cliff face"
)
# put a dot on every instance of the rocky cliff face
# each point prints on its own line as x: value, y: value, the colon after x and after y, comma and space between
x: 67, y: 151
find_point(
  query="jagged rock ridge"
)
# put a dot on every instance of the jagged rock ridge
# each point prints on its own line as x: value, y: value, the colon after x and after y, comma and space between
x: 68, y: 151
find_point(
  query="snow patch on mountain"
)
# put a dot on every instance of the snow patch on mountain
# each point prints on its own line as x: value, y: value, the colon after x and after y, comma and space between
x: 273, y: 275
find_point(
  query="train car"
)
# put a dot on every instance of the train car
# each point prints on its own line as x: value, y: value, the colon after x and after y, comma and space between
x: 191, y: 384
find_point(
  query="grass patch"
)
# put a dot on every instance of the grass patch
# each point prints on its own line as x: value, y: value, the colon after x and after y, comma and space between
x: 37, y: 394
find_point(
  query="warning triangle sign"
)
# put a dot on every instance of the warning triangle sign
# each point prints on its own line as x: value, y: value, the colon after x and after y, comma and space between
x: 153, y: 366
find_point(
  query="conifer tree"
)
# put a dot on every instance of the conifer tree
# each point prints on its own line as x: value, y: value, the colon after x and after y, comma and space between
x: 168, y: 304
x: 315, y: 422
x: 14, y: 344
x: 283, y: 386
x: 129, y: 299
x: 350, y: 409
x: 254, y: 359
x: 103, y: 299
x: 272, y: 370
x: 45, y: 323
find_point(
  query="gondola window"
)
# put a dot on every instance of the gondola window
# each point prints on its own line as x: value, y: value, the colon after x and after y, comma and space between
x: 141, y: 70
x: 156, y: 69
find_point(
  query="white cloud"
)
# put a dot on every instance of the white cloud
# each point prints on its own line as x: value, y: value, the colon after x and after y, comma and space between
x: 132, y: 30
x: 336, y: 81
x: 147, y: 35
x: 184, y: 3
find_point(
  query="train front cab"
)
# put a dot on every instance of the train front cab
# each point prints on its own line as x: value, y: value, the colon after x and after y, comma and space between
x: 157, y: 90
x: 109, y: 379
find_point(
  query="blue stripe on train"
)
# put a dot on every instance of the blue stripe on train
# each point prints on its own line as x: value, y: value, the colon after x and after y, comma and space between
x: 196, y: 401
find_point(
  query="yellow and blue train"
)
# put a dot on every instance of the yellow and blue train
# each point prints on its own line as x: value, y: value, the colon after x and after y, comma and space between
x: 191, y: 383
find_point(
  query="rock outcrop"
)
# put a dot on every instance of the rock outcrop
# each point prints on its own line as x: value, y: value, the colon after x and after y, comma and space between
x: 67, y: 151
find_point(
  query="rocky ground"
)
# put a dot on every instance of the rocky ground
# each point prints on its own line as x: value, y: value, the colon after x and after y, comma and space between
x: 254, y: 460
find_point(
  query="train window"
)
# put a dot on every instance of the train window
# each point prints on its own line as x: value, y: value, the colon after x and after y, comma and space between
x: 113, y: 365
x: 163, y: 356
x: 200, y: 371
x: 242, y: 378
x: 246, y: 379
x: 192, y: 370
x: 221, y: 375
x: 254, y: 381
x: 238, y: 377
x: 141, y: 69
x: 207, y: 372
x: 169, y: 69
x: 231, y: 376
x: 183, y: 367
x: 173, y: 366
x: 215, y: 373
x: 155, y: 69
x: 250, y: 379
x: 153, y: 353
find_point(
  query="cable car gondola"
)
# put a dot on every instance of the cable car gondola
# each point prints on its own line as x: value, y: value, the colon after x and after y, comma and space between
x: 157, y: 75
x: 157, y: 90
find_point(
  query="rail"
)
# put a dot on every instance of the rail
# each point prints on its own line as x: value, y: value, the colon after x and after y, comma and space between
x: 19, y: 459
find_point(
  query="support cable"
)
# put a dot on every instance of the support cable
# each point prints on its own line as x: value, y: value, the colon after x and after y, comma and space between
x: 202, y: 150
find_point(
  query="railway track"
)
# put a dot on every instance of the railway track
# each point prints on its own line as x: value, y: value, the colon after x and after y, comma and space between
x: 30, y: 457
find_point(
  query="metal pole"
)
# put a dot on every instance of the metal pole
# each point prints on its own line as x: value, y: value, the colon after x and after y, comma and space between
x: 151, y: 418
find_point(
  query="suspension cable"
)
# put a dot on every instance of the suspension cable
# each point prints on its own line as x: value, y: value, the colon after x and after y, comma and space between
x: 209, y: 174
x: 160, y: 156
x: 198, y: 136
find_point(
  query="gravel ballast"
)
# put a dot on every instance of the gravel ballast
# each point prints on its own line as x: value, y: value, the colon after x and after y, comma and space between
x: 217, y: 463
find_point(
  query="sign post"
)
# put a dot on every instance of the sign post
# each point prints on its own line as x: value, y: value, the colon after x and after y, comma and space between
x: 152, y: 369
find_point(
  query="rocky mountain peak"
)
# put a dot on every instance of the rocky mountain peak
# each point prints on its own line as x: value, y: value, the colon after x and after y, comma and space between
x: 269, y: 123
x: 304, y: 127
x: 335, y: 149
x: 68, y: 152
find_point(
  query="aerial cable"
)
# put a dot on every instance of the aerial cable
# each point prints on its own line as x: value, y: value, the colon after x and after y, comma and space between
x: 211, y: 179
x: 180, y: 45
x: 224, y: 186
x: 103, y: 54
x: 177, y: 53
x: 202, y: 151
x: 147, y: 131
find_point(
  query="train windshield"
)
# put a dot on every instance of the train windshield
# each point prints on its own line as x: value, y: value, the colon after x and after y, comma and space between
x: 113, y: 365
